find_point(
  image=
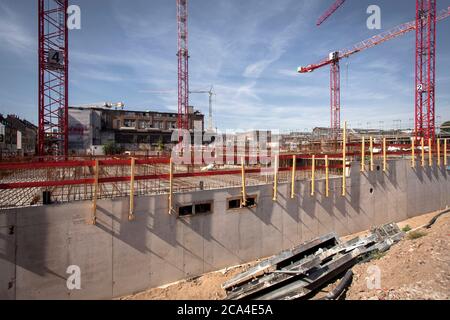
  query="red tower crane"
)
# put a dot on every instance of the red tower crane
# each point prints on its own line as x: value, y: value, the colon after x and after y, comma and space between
x: 336, y: 5
x: 53, y: 78
x: 425, y: 125
x: 334, y: 58
x: 183, y: 66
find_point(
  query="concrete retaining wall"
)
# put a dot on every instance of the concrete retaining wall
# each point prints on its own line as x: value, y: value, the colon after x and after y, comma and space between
x: 118, y: 257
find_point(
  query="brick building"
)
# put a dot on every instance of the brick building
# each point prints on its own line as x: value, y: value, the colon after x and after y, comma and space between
x: 135, y: 131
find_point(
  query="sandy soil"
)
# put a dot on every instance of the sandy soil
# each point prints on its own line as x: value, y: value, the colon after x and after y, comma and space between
x: 412, y: 269
x: 206, y: 287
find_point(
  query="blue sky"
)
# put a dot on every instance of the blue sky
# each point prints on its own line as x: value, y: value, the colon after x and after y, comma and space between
x: 249, y: 50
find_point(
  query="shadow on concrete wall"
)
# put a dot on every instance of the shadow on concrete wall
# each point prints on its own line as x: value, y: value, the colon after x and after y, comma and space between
x: 158, y: 248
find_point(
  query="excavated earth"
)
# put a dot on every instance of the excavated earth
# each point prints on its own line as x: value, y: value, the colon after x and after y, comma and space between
x: 412, y: 269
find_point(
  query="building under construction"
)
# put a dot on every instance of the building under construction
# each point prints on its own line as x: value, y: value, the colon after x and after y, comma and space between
x: 160, y: 209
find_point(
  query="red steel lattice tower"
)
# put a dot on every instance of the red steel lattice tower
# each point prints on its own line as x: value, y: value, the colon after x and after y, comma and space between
x: 425, y: 119
x: 53, y: 78
x: 425, y: 125
x: 183, y: 66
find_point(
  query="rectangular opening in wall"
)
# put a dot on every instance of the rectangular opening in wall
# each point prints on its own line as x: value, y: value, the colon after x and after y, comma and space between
x: 203, y: 208
x: 250, y: 202
x: 237, y: 203
x: 185, y: 210
x: 234, y: 204
x: 195, y: 208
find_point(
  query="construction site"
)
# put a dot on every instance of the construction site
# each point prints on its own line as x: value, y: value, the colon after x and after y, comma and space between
x: 176, y: 209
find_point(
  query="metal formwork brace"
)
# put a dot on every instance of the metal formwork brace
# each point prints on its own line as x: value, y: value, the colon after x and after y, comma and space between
x: 294, y: 168
x: 94, y: 200
x: 438, y: 152
x: 313, y: 175
x: 422, y: 144
x: 170, y: 186
x: 384, y: 155
x: 413, y: 153
x: 445, y: 152
x: 363, y: 154
x: 430, y: 153
x: 244, y: 193
x: 131, y: 212
x: 344, y: 158
x: 275, y: 180
x: 371, y: 153
x: 327, y: 180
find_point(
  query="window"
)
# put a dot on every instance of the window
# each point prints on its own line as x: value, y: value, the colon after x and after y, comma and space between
x: 251, y: 202
x: 236, y: 203
x: 185, y: 210
x: 128, y: 123
x: 145, y: 124
x: 203, y: 208
x: 196, y: 208
x: 172, y: 125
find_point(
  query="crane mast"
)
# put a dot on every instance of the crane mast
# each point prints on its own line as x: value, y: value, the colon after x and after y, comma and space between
x: 53, y: 78
x: 425, y: 125
x: 183, y: 67
x: 210, y: 111
x: 425, y: 67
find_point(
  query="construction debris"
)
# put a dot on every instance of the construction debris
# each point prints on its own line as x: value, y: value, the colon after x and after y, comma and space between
x: 298, y: 273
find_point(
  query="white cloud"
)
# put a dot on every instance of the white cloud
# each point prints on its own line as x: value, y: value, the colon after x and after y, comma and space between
x: 13, y: 35
x: 276, y: 46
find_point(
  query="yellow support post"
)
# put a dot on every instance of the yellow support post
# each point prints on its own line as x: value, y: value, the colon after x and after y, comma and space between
x: 171, y: 186
x: 445, y: 152
x: 94, y: 201
x: 384, y: 155
x: 438, y: 152
x: 344, y: 160
x: 363, y: 155
x: 131, y: 212
x: 430, y: 153
x: 371, y: 153
x: 294, y: 169
x: 275, y: 180
x: 413, y: 152
x: 422, y: 144
x: 244, y: 193
x: 313, y: 174
x: 327, y: 181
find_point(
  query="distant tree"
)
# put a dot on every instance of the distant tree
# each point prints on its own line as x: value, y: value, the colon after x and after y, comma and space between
x: 160, y: 144
x: 111, y: 148
x: 445, y: 127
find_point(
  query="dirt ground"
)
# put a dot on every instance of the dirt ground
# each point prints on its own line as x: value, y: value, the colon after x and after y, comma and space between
x: 206, y: 287
x: 412, y: 269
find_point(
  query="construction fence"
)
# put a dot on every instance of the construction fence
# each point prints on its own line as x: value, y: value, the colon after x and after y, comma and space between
x: 44, y: 181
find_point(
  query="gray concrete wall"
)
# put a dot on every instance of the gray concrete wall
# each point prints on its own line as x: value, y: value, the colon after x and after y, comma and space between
x: 118, y: 257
